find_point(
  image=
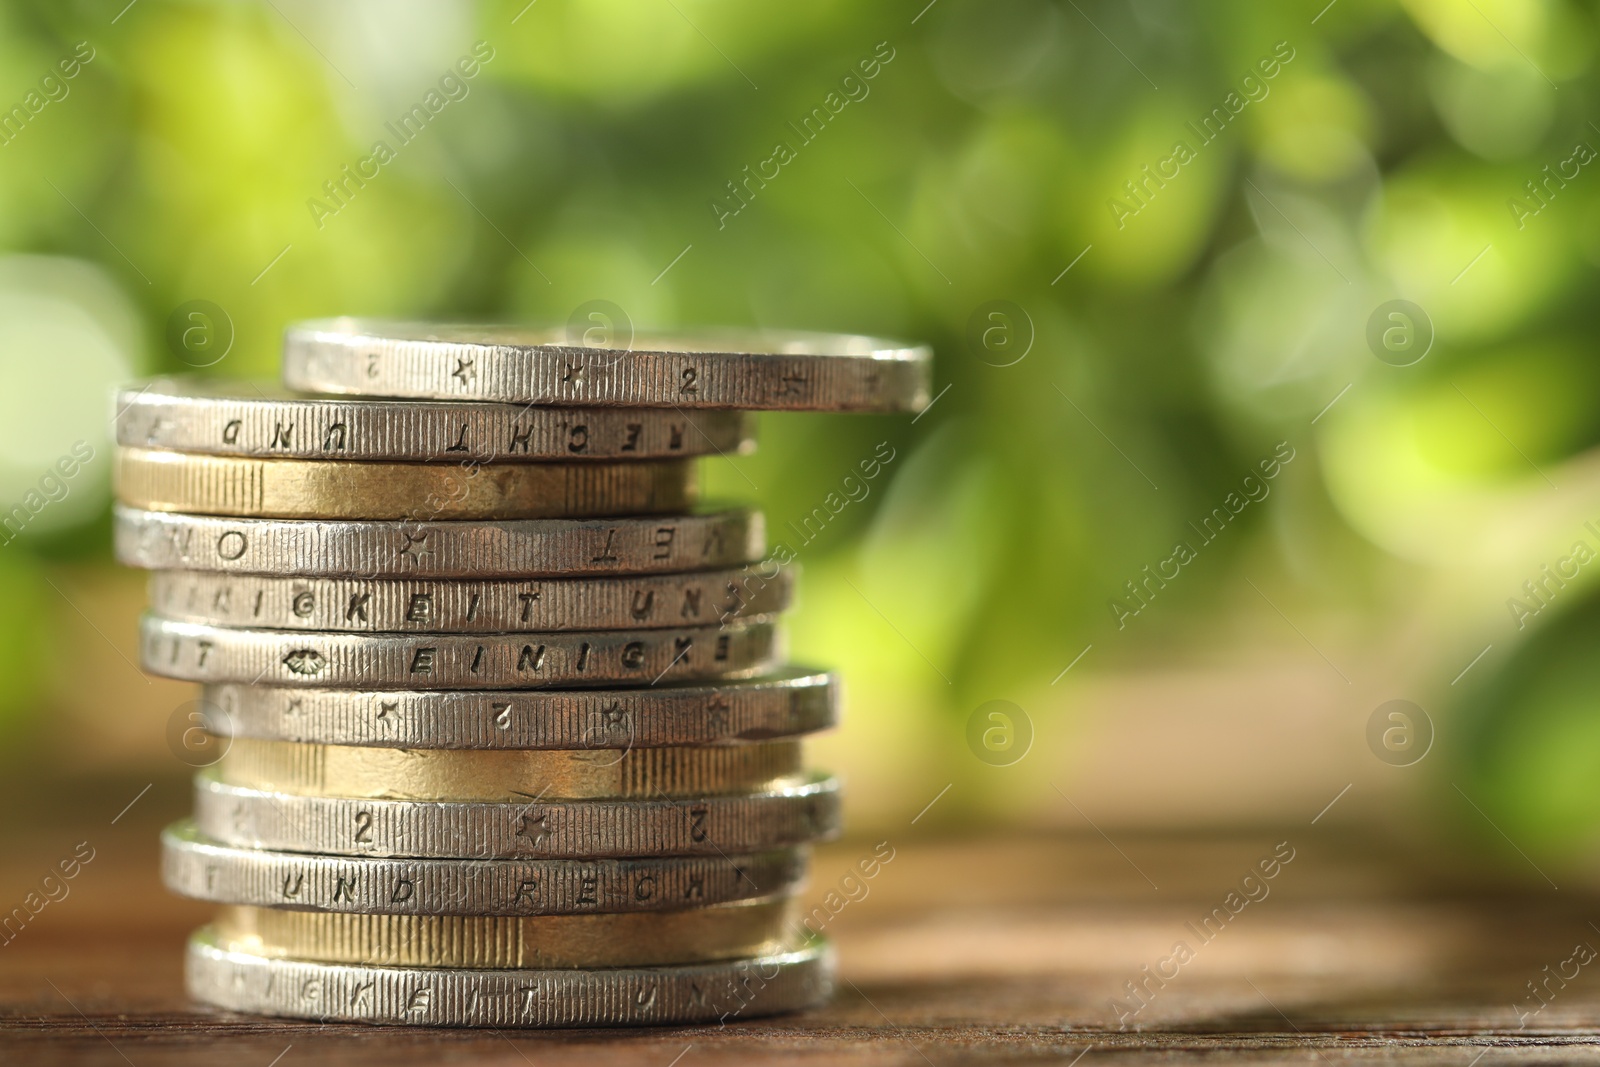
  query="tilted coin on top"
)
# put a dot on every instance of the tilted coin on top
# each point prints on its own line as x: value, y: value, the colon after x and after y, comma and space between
x: 779, y: 371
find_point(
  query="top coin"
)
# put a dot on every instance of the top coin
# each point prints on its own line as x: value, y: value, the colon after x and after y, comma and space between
x: 521, y: 365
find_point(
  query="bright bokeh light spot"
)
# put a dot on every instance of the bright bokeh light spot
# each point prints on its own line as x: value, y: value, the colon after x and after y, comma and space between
x: 69, y: 336
x: 1485, y: 33
x: 1314, y: 127
x: 1153, y: 231
x: 1451, y: 244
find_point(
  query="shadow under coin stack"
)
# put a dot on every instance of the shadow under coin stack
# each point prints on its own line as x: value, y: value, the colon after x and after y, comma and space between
x: 504, y: 734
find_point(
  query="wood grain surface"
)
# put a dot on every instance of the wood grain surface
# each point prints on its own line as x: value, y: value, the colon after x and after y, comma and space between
x: 991, y: 949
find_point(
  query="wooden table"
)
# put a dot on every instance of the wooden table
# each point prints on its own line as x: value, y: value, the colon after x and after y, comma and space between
x: 988, y: 949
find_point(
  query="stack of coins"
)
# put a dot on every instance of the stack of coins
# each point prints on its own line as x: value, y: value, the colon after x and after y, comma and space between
x: 501, y: 732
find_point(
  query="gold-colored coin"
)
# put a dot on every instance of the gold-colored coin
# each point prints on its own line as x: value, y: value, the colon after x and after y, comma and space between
x: 421, y: 492
x: 619, y: 939
x: 505, y: 774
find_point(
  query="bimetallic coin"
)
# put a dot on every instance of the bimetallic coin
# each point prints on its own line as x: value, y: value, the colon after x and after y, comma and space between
x: 791, y: 701
x: 726, y: 991
x: 191, y: 652
x: 509, y: 775
x: 717, y: 369
x: 613, y: 939
x: 411, y: 492
x: 793, y: 814
x: 527, y: 548
x: 468, y: 606
x: 263, y: 420
x: 208, y: 870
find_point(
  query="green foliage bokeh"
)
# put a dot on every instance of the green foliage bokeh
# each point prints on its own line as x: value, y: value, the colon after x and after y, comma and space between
x: 1181, y: 327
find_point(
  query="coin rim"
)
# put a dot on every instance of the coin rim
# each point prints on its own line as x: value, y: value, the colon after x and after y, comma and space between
x: 185, y: 849
x: 216, y: 976
x: 495, y: 819
x: 580, y: 594
x: 295, y: 539
x: 273, y: 487
x: 511, y: 367
x: 765, y: 923
x: 240, y: 650
x: 602, y: 779
x: 826, y: 686
x: 166, y: 396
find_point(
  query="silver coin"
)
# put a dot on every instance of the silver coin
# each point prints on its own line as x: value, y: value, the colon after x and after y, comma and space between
x: 196, y: 867
x: 264, y: 420
x: 723, y: 992
x: 788, y: 702
x: 469, y: 606
x: 192, y: 652
x: 515, y: 549
x: 778, y: 371
x: 725, y: 825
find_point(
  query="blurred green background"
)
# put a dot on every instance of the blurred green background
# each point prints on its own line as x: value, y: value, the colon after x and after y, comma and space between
x: 1150, y: 241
